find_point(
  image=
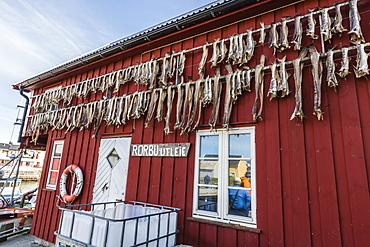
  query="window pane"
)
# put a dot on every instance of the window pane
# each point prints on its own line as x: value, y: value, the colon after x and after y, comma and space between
x: 58, y: 149
x: 113, y: 158
x: 207, y: 199
x: 209, y: 146
x: 55, y: 165
x: 208, y: 172
x: 239, y: 146
x: 53, y: 178
x: 239, y: 202
x: 238, y: 170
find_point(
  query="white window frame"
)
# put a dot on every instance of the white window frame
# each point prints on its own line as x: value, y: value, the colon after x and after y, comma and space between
x: 48, y: 185
x: 223, y: 177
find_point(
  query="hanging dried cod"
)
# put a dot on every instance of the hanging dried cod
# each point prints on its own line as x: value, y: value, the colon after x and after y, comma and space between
x: 151, y: 107
x: 99, y: 114
x: 120, y: 107
x: 246, y: 80
x: 298, y: 31
x: 262, y: 33
x: 249, y: 47
x: 325, y: 27
x: 170, y: 96
x: 317, y: 80
x: 180, y: 100
x: 153, y: 73
x: 362, y: 67
x: 197, y: 103
x: 179, y: 68
x: 298, y: 70
x: 188, y: 104
x: 165, y: 67
x: 126, y: 112
x: 344, y: 70
x: 141, y: 105
x: 283, y: 86
x: 215, y: 53
x: 217, y: 89
x: 283, y: 40
x: 162, y: 97
x: 311, y: 26
x: 203, y: 59
x: 238, y: 82
x: 228, y: 98
x: 273, y: 38
x: 338, y: 19
x: 275, y: 80
x: 207, y: 97
x: 171, y: 67
x: 190, y: 89
x: 259, y: 77
x: 355, y: 32
x: 223, y: 51
x: 237, y: 50
x: 233, y: 49
x: 187, y: 100
x: 330, y: 67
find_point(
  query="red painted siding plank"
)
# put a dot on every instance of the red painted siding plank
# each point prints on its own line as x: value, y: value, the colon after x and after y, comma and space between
x: 207, y: 234
x: 249, y: 239
x: 226, y: 236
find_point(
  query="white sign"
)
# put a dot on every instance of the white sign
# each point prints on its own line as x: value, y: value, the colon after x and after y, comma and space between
x: 161, y: 150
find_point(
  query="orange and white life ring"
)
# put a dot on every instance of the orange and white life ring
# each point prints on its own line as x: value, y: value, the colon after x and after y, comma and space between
x: 63, y: 181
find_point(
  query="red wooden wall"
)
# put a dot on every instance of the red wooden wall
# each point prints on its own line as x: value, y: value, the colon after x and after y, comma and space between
x: 312, y: 176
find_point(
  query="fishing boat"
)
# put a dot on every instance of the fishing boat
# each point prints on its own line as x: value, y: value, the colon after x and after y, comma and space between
x: 10, y: 189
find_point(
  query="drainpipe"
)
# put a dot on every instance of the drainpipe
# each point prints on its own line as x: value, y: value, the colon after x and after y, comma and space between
x: 24, y: 114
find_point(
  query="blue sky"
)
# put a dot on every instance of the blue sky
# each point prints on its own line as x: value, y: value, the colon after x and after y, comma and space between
x: 37, y: 35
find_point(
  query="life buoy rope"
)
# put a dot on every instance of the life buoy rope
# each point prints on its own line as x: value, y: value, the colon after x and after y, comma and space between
x: 63, y: 181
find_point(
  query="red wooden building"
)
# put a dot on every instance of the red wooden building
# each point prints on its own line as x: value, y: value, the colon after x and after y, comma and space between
x: 300, y: 146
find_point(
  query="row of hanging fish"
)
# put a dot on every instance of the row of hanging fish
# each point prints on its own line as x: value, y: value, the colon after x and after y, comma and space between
x: 240, y: 50
x: 193, y: 96
x: 328, y: 26
x: 144, y: 74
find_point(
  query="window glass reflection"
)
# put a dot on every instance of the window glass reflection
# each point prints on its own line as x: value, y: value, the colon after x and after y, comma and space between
x: 209, y: 146
x: 58, y: 149
x: 239, y: 146
x: 208, y: 172
x: 240, y: 201
x: 207, y: 199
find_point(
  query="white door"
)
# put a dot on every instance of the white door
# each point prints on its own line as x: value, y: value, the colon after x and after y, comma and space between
x: 111, y: 173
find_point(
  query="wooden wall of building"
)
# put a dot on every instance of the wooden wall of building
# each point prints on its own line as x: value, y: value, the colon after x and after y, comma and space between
x: 312, y: 176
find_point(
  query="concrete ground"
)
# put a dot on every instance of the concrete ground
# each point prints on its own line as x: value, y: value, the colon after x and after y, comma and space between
x: 22, y: 240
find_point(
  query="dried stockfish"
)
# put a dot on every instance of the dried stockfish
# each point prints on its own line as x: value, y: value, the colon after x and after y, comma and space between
x: 344, y: 69
x: 362, y: 67
x: 317, y: 80
x: 355, y: 32
x: 259, y: 77
x: 338, y: 19
x: 298, y: 31
x: 330, y: 67
x: 298, y: 70
x: 275, y: 80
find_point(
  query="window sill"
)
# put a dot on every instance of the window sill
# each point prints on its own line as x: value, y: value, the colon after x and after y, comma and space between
x: 229, y: 225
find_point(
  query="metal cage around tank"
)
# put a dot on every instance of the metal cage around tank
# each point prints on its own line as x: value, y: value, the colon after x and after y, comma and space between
x: 125, y: 223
